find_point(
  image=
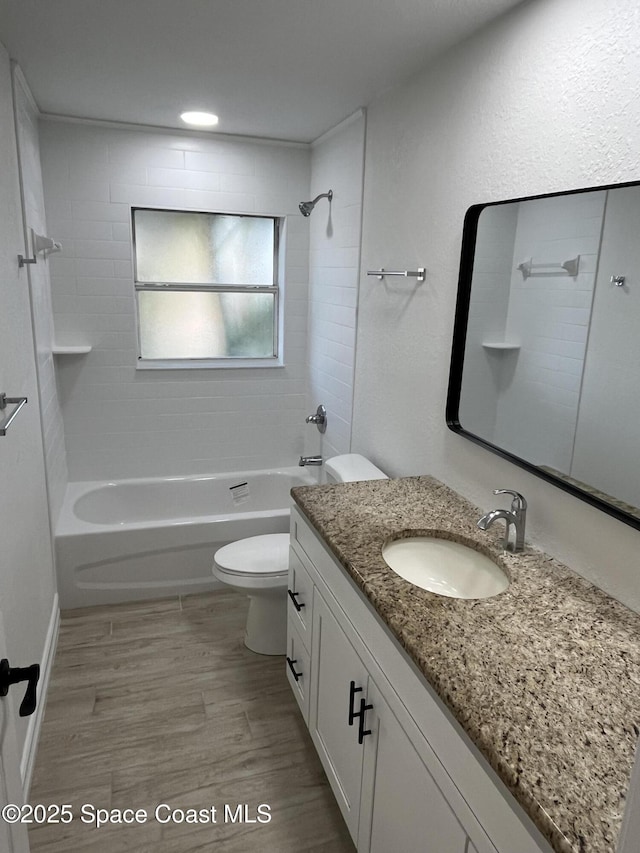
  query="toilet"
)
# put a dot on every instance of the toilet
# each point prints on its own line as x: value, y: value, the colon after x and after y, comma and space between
x: 259, y: 566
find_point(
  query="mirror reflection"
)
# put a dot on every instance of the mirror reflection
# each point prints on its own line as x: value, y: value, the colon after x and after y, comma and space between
x: 548, y: 372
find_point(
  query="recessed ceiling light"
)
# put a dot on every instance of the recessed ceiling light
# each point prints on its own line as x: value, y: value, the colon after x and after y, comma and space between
x: 199, y: 119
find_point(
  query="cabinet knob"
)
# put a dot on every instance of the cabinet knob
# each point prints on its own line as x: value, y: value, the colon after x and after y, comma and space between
x: 14, y: 675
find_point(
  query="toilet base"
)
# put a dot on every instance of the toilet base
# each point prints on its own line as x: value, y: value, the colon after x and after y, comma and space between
x: 266, y: 628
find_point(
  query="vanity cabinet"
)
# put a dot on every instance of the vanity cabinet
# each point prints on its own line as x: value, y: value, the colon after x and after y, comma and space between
x: 400, y: 768
x: 387, y: 796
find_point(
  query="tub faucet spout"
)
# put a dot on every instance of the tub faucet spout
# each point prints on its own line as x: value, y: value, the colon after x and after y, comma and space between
x: 310, y: 460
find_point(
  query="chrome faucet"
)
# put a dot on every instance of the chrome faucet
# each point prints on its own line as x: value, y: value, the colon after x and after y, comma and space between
x: 310, y: 460
x: 516, y: 516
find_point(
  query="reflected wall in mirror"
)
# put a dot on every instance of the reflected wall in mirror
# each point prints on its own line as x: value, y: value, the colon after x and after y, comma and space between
x: 545, y: 365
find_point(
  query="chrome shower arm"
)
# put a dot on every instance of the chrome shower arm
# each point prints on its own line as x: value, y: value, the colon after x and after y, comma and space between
x: 307, y: 206
x: 328, y: 195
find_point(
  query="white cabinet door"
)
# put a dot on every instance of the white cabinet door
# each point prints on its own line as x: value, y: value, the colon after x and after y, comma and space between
x: 339, y: 681
x: 402, y: 807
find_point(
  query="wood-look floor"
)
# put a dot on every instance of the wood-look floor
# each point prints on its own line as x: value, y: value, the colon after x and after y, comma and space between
x: 160, y: 702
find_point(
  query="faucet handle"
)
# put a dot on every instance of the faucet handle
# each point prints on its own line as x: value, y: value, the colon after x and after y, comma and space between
x: 518, y: 504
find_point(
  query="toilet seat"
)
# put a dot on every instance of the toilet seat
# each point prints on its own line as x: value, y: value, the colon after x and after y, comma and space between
x: 260, y: 557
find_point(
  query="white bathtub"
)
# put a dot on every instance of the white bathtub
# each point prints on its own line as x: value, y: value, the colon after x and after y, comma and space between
x: 138, y: 539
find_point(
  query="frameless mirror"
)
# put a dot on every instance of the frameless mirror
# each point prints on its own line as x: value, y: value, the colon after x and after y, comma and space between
x: 545, y: 366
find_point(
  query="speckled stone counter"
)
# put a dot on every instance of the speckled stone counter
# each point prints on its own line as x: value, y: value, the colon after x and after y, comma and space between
x: 544, y: 678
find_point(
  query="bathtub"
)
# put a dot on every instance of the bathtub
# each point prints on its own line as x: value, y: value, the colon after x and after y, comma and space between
x: 137, y: 539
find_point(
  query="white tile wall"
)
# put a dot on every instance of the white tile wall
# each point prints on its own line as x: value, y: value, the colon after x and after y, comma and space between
x: 337, y: 163
x: 550, y: 318
x: 120, y: 422
x: 40, y: 287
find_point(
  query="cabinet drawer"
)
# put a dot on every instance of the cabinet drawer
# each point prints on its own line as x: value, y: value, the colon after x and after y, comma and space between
x: 298, y: 663
x: 305, y: 541
x: 300, y: 598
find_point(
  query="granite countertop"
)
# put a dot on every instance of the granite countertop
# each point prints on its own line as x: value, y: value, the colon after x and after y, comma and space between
x: 544, y: 678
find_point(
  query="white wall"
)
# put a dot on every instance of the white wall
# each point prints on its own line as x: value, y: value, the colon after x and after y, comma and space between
x: 337, y: 161
x: 40, y: 291
x: 120, y: 422
x: 542, y: 100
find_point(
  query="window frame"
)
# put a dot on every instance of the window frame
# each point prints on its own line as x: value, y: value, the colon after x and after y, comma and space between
x: 275, y: 360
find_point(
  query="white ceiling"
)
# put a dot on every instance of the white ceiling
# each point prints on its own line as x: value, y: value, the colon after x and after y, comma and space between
x: 285, y: 69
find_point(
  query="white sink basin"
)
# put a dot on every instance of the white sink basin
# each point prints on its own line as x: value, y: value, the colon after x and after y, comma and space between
x: 448, y: 568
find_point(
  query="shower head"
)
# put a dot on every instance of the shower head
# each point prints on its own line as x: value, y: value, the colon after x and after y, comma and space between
x: 307, y: 206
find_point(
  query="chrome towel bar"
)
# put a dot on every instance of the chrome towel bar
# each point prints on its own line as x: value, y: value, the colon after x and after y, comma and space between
x: 18, y: 403
x: 381, y: 273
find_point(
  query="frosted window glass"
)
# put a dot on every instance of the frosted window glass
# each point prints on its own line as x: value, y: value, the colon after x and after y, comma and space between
x: 203, y: 248
x: 205, y: 324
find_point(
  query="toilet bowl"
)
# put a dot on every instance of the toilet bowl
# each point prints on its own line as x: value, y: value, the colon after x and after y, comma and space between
x: 259, y: 566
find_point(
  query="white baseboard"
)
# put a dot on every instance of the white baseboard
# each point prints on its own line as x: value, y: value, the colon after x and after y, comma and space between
x: 35, y: 722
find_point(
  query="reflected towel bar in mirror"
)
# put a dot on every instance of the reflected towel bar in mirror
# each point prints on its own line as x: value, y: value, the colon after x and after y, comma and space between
x: 381, y: 273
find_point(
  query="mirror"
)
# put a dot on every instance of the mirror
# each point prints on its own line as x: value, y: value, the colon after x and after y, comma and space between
x: 545, y: 367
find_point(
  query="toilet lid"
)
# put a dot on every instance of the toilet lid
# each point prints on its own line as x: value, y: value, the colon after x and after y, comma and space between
x: 258, y: 555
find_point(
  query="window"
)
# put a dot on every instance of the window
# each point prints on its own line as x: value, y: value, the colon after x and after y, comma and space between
x: 206, y: 287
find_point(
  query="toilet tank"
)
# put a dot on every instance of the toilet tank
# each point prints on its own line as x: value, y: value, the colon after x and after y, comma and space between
x: 350, y: 467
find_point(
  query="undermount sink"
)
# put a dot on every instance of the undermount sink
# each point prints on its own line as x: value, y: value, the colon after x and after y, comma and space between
x: 445, y: 567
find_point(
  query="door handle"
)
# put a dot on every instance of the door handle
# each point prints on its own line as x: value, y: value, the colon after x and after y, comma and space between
x: 14, y: 675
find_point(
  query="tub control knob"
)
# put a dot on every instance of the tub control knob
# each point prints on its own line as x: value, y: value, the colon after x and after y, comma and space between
x: 14, y: 675
x: 319, y: 418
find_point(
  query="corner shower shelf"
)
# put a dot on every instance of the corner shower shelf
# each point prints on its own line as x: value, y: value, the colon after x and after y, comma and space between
x: 62, y: 349
x: 504, y: 346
